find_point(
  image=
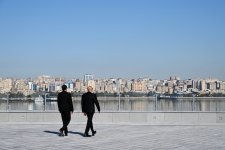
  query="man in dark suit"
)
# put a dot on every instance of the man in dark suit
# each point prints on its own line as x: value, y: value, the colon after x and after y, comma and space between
x: 65, y: 106
x: 87, y: 103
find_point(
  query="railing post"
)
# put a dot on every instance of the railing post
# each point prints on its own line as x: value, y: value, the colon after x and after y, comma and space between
x: 193, y: 102
x: 129, y: 103
x: 156, y: 102
x: 7, y: 107
x: 104, y: 102
x: 119, y: 101
x: 45, y: 102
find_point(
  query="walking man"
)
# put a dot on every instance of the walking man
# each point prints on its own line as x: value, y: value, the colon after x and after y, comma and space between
x: 65, y: 106
x: 87, y: 103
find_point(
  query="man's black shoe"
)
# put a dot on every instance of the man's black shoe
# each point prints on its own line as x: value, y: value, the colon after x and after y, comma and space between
x: 66, y: 133
x: 93, y: 133
x: 87, y: 135
x: 61, y: 133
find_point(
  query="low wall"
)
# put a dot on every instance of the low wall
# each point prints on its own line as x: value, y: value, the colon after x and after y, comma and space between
x: 187, y: 118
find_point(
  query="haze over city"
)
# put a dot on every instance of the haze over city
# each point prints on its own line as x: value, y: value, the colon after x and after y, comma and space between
x: 127, y: 39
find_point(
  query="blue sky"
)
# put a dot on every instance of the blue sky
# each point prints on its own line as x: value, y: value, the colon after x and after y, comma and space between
x: 113, y: 38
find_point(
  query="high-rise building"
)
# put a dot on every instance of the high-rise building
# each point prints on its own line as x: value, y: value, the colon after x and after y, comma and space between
x: 92, y: 84
x: 70, y: 86
x: 88, y: 77
x: 21, y: 86
x: 51, y: 87
x: 138, y: 86
x: 218, y: 85
x: 34, y: 87
x: 1, y: 85
x: 211, y: 86
x: 78, y: 85
x: 223, y: 86
x: 6, y: 85
x: 30, y: 85
x: 203, y: 85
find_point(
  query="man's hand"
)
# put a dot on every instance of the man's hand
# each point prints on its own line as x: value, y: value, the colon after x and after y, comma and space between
x: 85, y: 114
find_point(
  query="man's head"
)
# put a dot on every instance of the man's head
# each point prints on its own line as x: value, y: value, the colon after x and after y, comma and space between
x: 89, y: 89
x: 64, y: 87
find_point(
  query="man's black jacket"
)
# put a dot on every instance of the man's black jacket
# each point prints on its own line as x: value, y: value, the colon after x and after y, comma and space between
x: 87, y: 103
x: 65, y: 101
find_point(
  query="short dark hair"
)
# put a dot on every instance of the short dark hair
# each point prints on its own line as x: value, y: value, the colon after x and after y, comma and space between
x: 64, y: 87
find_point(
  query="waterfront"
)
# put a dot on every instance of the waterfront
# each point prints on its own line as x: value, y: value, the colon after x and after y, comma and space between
x: 123, y: 104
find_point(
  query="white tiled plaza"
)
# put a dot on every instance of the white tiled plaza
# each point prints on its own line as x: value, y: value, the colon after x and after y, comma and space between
x: 130, y: 137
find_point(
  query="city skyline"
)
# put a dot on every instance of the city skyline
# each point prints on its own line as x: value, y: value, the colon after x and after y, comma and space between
x: 110, y: 77
x: 126, y: 39
x: 173, y: 85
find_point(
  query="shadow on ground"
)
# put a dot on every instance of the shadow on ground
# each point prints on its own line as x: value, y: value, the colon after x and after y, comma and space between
x: 78, y: 133
x: 70, y: 132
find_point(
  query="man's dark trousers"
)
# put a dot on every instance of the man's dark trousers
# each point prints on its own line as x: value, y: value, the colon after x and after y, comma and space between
x: 89, y: 123
x: 66, y: 117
